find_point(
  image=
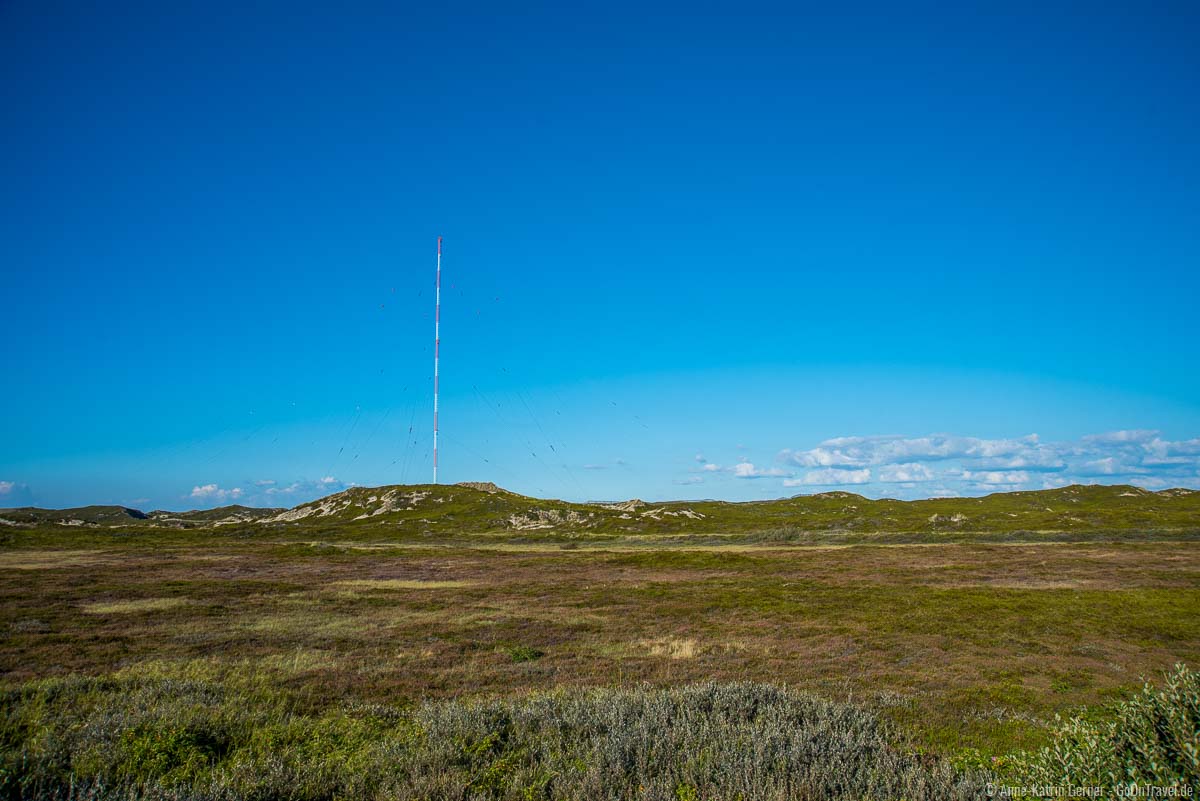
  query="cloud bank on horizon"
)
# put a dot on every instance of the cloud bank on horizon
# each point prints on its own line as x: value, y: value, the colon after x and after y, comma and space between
x: 897, y: 466
x: 947, y: 464
x: 267, y: 492
x: 908, y: 467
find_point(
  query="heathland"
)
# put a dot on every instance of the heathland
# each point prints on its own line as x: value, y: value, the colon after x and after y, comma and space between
x: 465, y: 642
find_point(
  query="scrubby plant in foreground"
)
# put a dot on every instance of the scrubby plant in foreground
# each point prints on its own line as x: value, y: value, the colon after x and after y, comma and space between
x: 158, y: 738
x: 1152, y: 738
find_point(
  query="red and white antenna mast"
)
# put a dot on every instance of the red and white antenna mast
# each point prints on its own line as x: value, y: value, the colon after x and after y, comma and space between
x: 437, y: 322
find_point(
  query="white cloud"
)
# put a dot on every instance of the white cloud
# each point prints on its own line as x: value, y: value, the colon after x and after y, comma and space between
x: 699, y: 457
x: 1120, y: 437
x: 1161, y: 452
x: 690, y: 480
x: 710, y: 467
x: 907, y: 472
x: 595, y: 467
x: 831, y: 476
x: 864, y: 451
x: 1108, y: 466
x: 14, y: 493
x: 748, y: 470
x: 1100, y: 467
x: 1003, y: 463
x: 1043, y: 461
x: 1149, y: 483
x: 213, y: 492
x: 995, y: 477
x: 311, y: 489
x: 268, y: 492
x: 827, y: 457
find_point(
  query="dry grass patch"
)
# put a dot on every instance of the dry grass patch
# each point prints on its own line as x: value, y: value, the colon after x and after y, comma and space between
x: 672, y: 647
x: 130, y: 607
x: 739, y: 646
x: 1037, y: 584
x: 50, y: 560
x: 302, y: 660
x: 400, y: 584
x: 307, y: 624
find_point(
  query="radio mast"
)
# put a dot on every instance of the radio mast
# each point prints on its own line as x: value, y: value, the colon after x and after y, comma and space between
x: 437, y: 321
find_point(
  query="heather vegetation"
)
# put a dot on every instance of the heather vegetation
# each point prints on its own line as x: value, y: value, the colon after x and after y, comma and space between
x: 150, y: 737
x: 170, y: 738
x: 318, y: 659
x: 1150, y: 739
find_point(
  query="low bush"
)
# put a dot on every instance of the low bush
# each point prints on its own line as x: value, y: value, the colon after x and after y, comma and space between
x: 149, y: 739
x: 1151, y: 739
x: 163, y: 739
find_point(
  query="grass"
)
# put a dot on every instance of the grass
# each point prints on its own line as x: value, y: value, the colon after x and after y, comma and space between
x: 31, y: 559
x: 952, y: 648
x: 671, y: 648
x: 987, y: 641
x: 523, y: 653
x: 147, y: 738
x: 130, y: 607
x: 1151, y: 739
x: 399, y: 584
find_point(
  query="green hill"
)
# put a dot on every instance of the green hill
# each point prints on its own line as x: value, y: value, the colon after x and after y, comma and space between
x: 83, y: 515
x: 427, y: 510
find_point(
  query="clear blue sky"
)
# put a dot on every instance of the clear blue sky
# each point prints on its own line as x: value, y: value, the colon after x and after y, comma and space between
x: 693, y: 251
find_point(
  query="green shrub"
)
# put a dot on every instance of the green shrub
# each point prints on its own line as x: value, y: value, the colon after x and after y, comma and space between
x: 94, y: 739
x: 1151, y: 739
x: 524, y: 653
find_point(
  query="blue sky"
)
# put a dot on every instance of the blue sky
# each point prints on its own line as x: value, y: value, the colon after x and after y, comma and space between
x: 706, y: 251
